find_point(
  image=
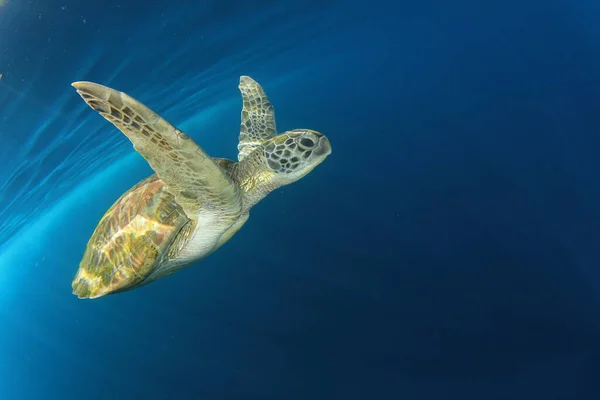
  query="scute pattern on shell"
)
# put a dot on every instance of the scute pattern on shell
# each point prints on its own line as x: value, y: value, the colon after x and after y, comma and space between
x: 130, y: 239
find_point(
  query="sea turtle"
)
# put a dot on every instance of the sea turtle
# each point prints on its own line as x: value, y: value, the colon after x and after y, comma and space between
x: 193, y: 203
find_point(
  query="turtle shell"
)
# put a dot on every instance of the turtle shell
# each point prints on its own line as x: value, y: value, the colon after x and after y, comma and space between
x: 130, y: 240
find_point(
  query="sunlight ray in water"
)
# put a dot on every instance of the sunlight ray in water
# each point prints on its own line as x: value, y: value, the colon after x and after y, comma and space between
x: 98, y: 171
x: 448, y: 249
x: 69, y: 144
x: 30, y: 239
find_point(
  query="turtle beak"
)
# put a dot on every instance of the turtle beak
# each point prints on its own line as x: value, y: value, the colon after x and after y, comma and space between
x: 323, y: 148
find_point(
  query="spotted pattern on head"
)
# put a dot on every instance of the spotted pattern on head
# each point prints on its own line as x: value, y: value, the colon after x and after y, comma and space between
x: 288, y: 152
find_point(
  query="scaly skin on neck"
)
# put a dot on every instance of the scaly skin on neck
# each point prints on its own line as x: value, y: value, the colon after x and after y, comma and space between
x: 254, y: 177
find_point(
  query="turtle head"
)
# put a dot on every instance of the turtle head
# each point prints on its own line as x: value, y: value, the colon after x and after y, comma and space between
x: 293, y: 154
x: 279, y: 161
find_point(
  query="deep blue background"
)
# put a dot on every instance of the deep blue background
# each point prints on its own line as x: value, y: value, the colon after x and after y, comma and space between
x: 449, y: 248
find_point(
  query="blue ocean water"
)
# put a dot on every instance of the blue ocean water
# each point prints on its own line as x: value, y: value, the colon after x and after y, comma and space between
x: 448, y: 248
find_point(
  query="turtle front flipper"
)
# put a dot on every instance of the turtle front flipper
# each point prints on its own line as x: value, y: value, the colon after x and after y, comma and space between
x: 258, y: 117
x: 190, y: 174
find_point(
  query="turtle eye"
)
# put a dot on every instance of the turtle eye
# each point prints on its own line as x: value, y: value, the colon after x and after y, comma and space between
x: 307, y: 142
